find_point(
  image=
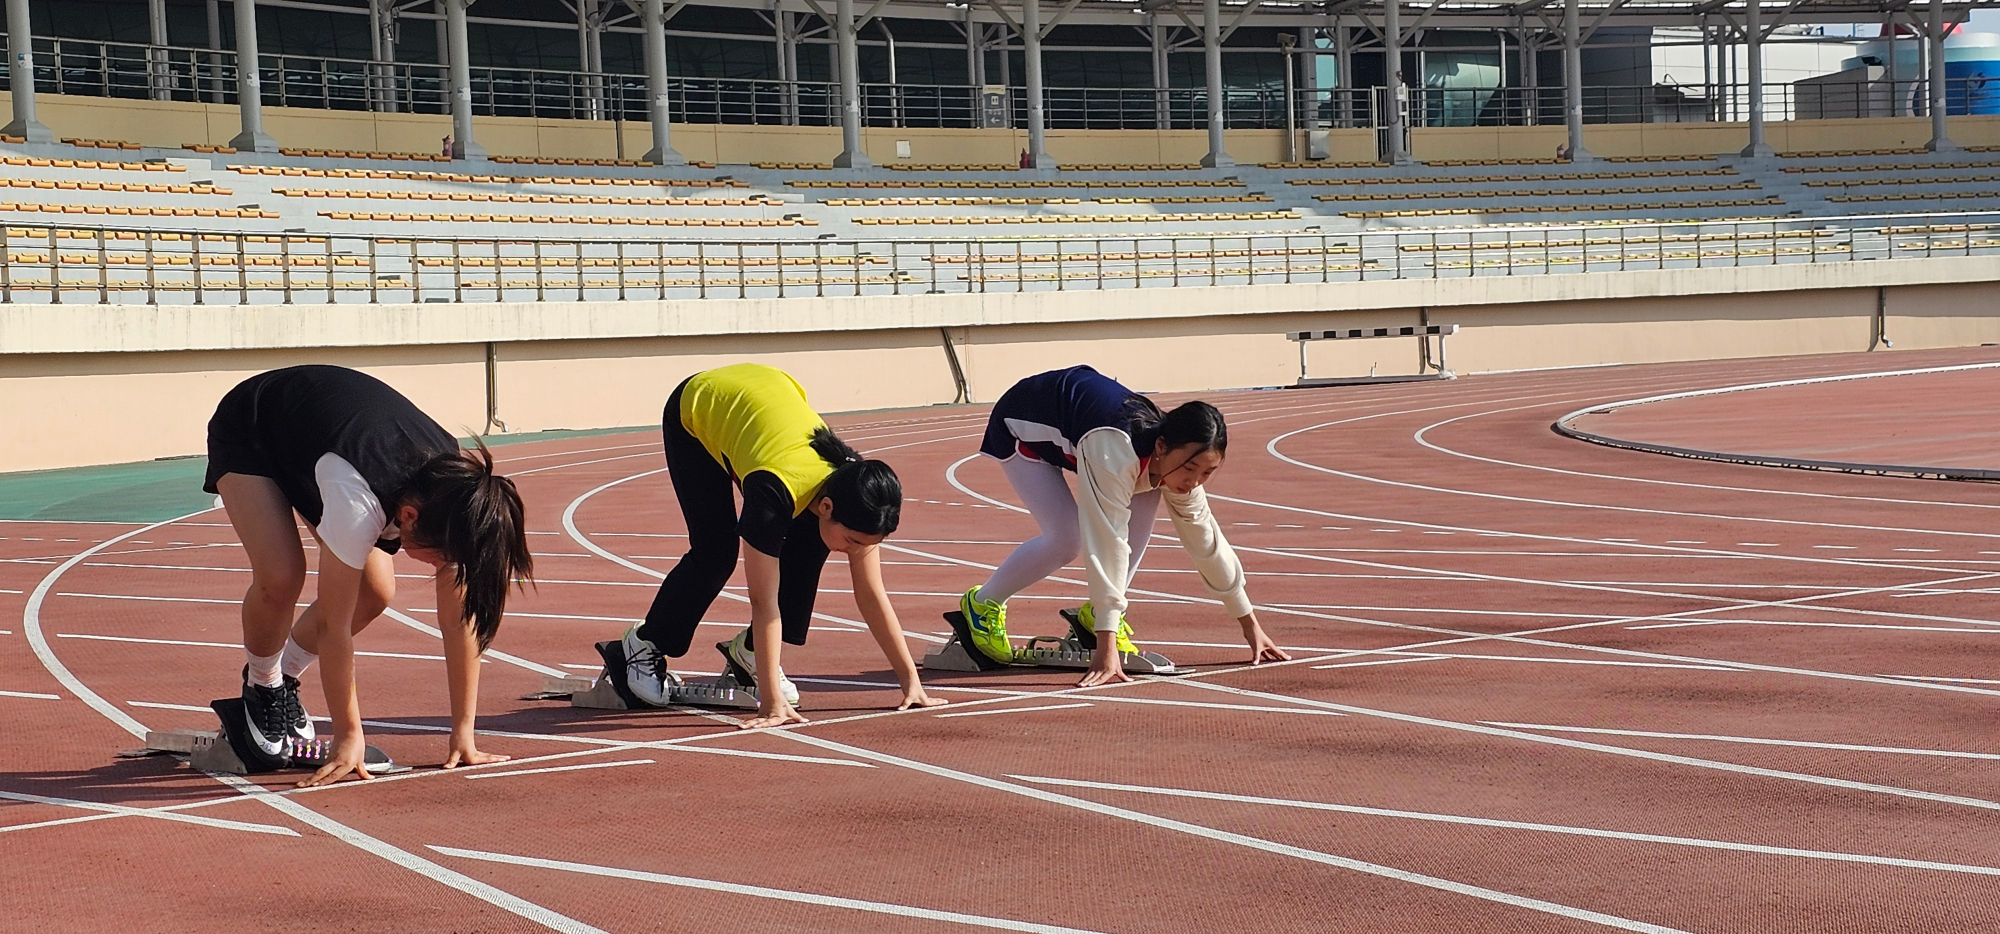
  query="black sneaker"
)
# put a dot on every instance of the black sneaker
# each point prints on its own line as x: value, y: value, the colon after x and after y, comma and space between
x: 268, y: 715
x: 301, y: 725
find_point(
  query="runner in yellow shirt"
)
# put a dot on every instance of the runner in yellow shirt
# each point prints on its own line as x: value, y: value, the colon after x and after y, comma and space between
x: 805, y: 494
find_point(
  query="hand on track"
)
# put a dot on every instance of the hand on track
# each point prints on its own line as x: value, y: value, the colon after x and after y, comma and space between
x: 467, y: 754
x: 918, y: 698
x: 349, y: 755
x: 776, y: 713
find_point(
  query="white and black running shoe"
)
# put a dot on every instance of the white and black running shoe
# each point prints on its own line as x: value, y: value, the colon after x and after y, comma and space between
x: 742, y: 665
x: 267, y: 715
x: 301, y: 727
x: 638, y: 671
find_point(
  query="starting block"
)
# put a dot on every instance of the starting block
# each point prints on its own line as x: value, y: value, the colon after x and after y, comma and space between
x: 604, y: 692
x: 230, y: 752
x: 1071, y: 651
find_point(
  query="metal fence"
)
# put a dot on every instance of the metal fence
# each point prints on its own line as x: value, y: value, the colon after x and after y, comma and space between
x: 110, y: 69
x: 156, y: 266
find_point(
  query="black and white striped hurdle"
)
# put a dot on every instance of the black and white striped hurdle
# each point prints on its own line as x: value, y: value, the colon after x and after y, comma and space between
x: 1438, y: 330
x: 1427, y: 368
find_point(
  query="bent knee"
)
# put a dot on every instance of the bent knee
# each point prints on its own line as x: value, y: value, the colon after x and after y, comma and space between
x: 278, y: 586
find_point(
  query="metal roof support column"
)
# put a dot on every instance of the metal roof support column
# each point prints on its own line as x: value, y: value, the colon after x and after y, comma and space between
x: 658, y: 114
x: 1753, y: 35
x: 249, y: 85
x: 1940, y: 142
x: 463, y: 146
x: 1396, y: 108
x: 1211, y: 41
x: 1573, y: 83
x: 851, y: 156
x: 21, y: 76
x: 1031, y: 54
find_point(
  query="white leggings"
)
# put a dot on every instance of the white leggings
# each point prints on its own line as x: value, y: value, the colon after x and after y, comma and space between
x: 1046, y: 493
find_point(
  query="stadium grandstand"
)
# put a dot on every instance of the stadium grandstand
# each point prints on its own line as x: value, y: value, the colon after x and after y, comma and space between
x: 665, y: 171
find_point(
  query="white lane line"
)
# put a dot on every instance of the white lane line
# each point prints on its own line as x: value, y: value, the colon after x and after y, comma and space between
x: 988, y: 713
x: 1243, y: 840
x: 31, y: 695
x: 773, y: 756
x: 31, y: 618
x: 1846, y: 548
x: 120, y: 809
x: 760, y: 891
x: 1600, y: 747
x: 1550, y: 661
x: 493, y: 654
x: 1775, y: 622
x: 227, y: 645
x: 560, y: 768
x: 1751, y: 740
x: 1935, y: 678
x: 1523, y: 825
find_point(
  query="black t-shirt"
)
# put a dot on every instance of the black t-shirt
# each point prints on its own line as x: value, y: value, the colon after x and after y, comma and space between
x: 767, y: 521
x: 297, y: 415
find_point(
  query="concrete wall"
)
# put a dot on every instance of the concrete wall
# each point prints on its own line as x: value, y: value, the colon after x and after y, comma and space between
x: 105, y: 384
x: 171, y: 124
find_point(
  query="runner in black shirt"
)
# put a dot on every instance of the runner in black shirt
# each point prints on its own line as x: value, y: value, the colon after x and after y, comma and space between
x: 370, y: 474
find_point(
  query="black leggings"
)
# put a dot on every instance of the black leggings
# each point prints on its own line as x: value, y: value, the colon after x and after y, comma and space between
x: 708, y: 505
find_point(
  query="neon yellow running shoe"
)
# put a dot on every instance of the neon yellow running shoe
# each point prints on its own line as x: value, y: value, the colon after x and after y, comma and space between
x: 1089, y: 618
x: 988, y: 622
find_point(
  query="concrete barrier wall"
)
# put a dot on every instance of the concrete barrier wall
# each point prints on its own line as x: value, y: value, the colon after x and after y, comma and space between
x: 174, y: 123
x: 97, y: 384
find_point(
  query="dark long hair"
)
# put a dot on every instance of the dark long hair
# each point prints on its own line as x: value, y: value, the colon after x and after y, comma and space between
x: 474, y: 517
x: 866, y: 495
x: 1195, y: 422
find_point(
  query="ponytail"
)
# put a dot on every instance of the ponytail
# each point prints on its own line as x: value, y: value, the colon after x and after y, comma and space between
x: 866, y: 495
x: 1195, y: 422
x: 474, y: 517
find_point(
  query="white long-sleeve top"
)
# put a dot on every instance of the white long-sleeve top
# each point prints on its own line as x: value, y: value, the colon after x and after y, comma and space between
x: 1109, y: 474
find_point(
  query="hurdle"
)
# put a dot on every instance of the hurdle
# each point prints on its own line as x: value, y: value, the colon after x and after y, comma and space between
x: 1428, y: 368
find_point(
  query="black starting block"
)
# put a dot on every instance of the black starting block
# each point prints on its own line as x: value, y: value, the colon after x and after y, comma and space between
x: 733, y: 690
x: 1070, y: 651
x: 227, y: 750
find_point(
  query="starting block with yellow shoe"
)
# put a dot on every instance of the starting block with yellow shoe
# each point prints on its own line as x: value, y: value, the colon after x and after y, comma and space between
x: 1071, y: 651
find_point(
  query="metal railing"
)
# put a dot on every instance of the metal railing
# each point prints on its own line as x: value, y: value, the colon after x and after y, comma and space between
x: 64, y: 265
x: 111, y: 69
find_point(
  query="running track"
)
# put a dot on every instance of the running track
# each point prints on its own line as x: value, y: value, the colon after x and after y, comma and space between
x: 1541, y: 685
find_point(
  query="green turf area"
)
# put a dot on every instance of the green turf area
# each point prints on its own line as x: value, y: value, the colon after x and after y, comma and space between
x: 151, y: 491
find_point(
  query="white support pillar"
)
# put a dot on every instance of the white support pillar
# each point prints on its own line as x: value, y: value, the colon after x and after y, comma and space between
x: 249, y: 84
x: 851, y: 156
x: 1940, y: 141
x: 1343, y: 73
x: 1754, y: 34
x: 463, y: 145
x: 788, y: 63
x: 21, y: 76
x: 159, y: 79
x: 1891, y: 71
x: 382, y: 75
x: 1396, y: 108
x: 1031, y: 57
x: 1211, y: 41
x: 1573, y: 82
x: 653, y: 13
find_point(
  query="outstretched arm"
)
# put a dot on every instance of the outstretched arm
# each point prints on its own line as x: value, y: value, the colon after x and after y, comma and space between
x: 461, y: 669
x: 760, y: 572
x: 1219, y: 568
x: 339, y: 588
x: 871, y: 597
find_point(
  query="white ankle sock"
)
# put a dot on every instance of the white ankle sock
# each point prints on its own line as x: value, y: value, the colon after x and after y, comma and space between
x: 296, y: 659
x: 264, y: 669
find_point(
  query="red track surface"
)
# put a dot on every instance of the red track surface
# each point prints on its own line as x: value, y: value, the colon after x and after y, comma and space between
x: 1927, y: 420
x: 1467, y: 593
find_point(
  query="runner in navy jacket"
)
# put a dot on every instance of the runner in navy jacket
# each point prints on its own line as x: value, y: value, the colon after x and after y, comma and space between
x: 1129, y: 457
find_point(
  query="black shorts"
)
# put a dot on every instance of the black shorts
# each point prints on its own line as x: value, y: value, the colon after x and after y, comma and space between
x: 232, y: 438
